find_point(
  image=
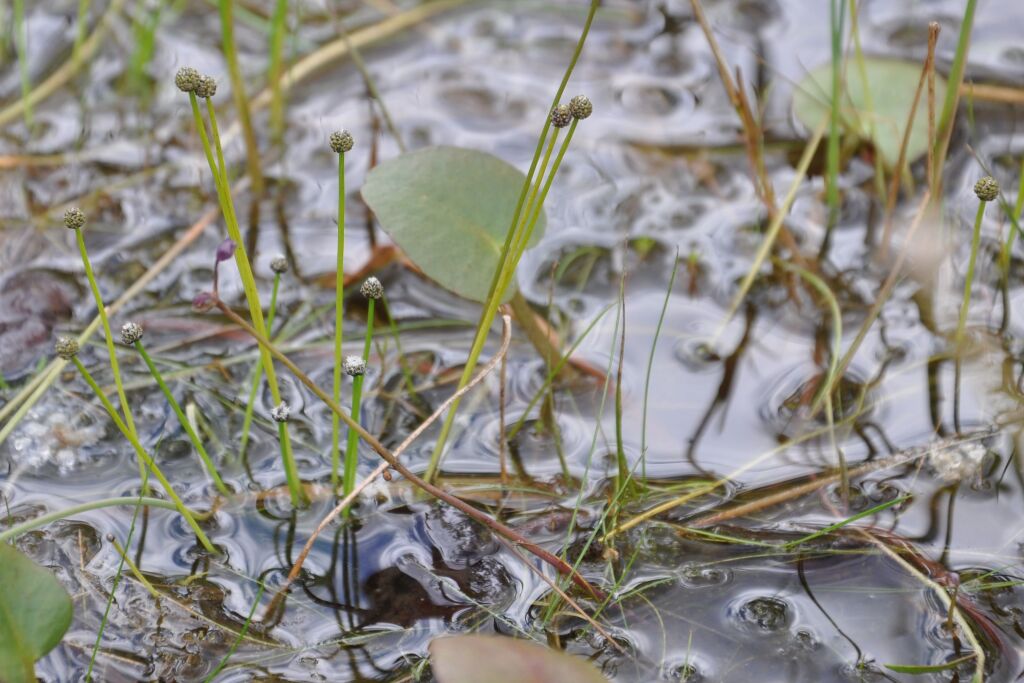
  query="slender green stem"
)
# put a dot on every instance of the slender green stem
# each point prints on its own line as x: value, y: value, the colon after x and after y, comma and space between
x: 527, y: 233
x: 968, y: 281
x: 620, y: 448
x: 109, y: 338
x: 252, y: 152
x: 351, y: 450
x: 21, y: 42
x: 257, y: 373
x: 42, y: 520
x: 531, y: 202
x: 80, y: 24
x: 956, y: 76
x: 961, y: 323
x: 219, y: 171
x: 494, y: 295
x: 1015, y: 219
x: 144, y: 457
x: 185, y: 424
x: 823, y: 394
x: 339, y: 318
x: 277, y: 35
x: 836, y: 16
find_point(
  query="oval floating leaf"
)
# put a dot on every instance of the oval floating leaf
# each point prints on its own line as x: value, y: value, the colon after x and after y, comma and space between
x: 449, y: 210
x: 494, y: 659
x: 876, y: 113
x: 35, y: 611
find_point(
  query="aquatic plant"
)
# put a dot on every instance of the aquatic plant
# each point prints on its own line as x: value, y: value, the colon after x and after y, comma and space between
x: 341, y: 141
x: 131, y: 335
x: 355, y: 367
x: 189, y: 81
x: 67, y: 348
x: 74, y: 220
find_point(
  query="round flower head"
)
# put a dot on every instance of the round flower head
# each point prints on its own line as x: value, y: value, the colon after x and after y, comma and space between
x: 206, y: 87
x: 581, y: 107
x: 66, y: 347
x: 987, y: 189
x: 187, y: 79
x: 279, y: 265
x: 74, y: 219
x: 354, y: 366
x: 341, y: 141
x: 130, y: 333
x: 372, y: 288
x: 281, y: 413
x: 561, y: 116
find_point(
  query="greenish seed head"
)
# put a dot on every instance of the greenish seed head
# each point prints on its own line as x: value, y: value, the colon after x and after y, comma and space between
x: 66, y: 347
x: 279, y: 264
x: 206, y: 87
x: 281, y: 413
x: 187, y: 79
x: 581, y: 107
x: 130, y: 333
x: 372, y: 288
x: 341, y: 141
x: 561, y: 116
x: 74, y: 219
x: 987, y: 189
x: 354, y: 366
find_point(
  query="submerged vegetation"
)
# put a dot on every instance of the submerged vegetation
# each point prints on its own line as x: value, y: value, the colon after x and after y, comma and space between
x: 726, y: 386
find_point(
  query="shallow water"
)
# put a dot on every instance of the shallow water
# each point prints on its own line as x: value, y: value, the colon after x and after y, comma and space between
x: 657, y: 170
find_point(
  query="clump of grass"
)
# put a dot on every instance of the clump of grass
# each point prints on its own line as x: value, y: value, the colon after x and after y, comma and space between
x: 355, y: 366
x: 67, y: 349
x: 196, y: 85
x: 528, y: 209
x: 341, y: 142
x: 131, y: 335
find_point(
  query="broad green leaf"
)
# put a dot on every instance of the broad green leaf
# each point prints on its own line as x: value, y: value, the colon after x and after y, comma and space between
x: 891, y: 85
x: 35, y: 611
x: 449, y: 210
x: 494, y: 659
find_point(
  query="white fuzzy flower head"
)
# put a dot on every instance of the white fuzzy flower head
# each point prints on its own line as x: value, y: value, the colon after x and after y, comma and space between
x: 130, y: 333
x: 372, y: 288
x: 281, y: 413
x: 354, y: 366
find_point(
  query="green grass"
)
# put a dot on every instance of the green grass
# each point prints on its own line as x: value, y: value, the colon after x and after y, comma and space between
x: 509, y: 258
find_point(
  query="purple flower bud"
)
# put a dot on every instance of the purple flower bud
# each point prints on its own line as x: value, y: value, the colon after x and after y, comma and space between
x: 203, y: 301
x: 226, y: 250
